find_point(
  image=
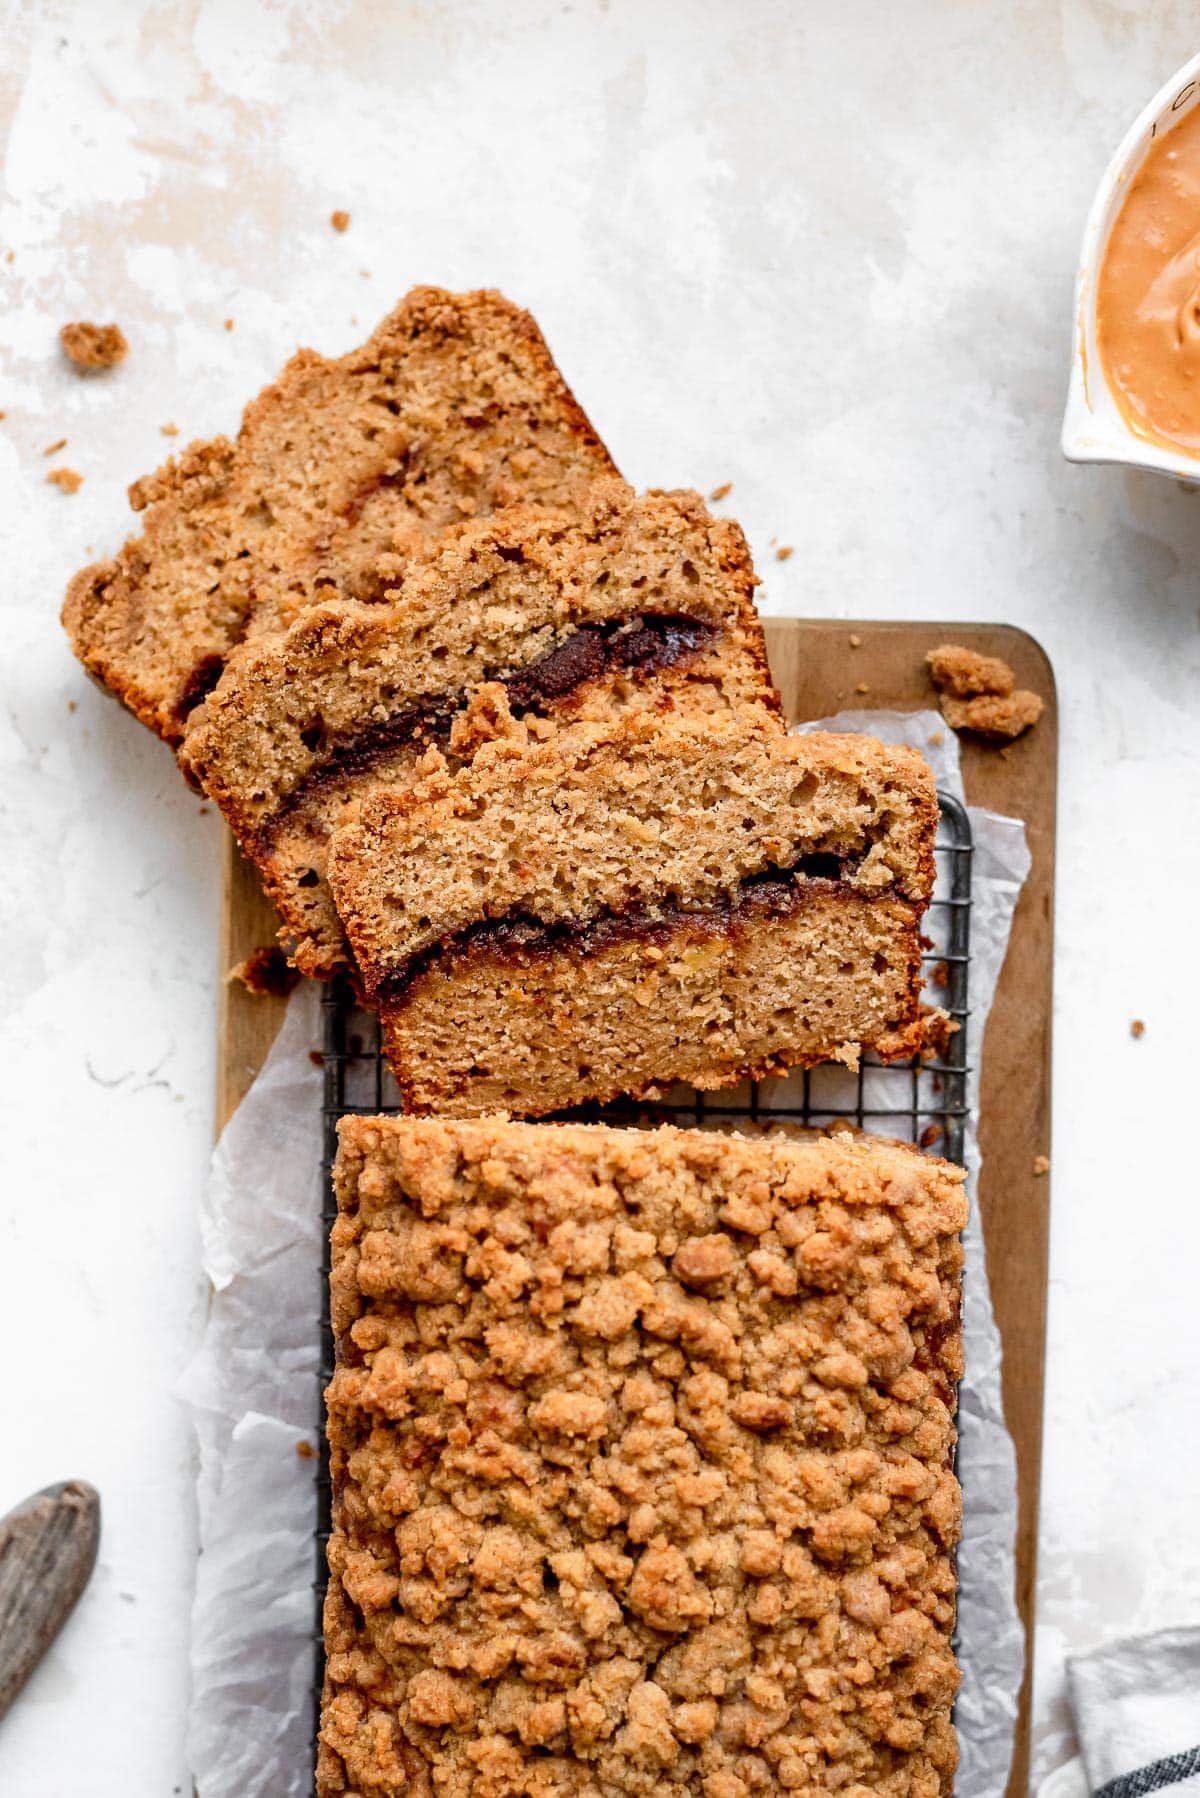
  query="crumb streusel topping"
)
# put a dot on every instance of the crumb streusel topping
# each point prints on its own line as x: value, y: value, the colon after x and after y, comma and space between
x: 641, y: 1446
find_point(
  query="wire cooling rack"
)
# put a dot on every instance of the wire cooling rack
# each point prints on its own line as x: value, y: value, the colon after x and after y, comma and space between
x: 922, y: 1102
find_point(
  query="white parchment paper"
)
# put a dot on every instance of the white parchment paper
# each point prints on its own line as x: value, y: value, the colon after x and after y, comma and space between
x: 252, y: 1392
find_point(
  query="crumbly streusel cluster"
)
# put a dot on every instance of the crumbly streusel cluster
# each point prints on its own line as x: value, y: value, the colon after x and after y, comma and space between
x: 642, y: 1456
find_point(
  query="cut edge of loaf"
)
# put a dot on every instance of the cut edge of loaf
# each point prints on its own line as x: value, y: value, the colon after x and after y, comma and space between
x: 532, y: 1022
x: 316, y: 711
x: 292, y: 857
x: 287, y: 702
x: 597, y: 819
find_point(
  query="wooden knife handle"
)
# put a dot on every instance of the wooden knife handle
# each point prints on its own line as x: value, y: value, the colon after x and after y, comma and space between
x: 47, y: 1551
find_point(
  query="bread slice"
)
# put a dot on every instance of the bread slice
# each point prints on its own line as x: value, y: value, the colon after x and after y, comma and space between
x: 622, y: 905
x: 532, y: 1021
x: 631, y: 602
x: 341, y: 473
x: 602, y: 817
x: 642, y: 1448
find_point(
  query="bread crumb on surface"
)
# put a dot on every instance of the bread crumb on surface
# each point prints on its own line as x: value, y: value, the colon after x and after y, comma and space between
x: 340, y: 220
x: 862, y: 687
x: 65, y: 479
x: 1041, y: 1165
x: 938, y: 1028
x: 1001, y: 716
x: 976, y: 693
x: 936, y: 739
x: 266, y: 973
x: 855, y: 640
x: 169, y: 430
x: 722, y: 490
x: 52, y: 449
x: 965, y: 673
x: 91, y: 348
x: 305, y: 1449
x: 229, y: 324
x: 784, y: 551
x: 1137, y: 1029
x: 929, y: 1135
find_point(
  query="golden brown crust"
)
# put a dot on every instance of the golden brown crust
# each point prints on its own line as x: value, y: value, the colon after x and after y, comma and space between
x: 454, y: 407
x: 641, y: 1446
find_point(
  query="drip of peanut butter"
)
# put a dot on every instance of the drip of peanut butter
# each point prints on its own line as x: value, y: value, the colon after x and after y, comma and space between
x: 1148, y: 294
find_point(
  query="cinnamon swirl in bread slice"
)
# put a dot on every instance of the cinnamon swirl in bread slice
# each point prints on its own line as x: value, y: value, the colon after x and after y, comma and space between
x: 620, y: 905
x: 630, y: 603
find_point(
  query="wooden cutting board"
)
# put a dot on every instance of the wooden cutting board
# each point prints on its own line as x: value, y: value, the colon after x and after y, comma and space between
x: 820, y: 671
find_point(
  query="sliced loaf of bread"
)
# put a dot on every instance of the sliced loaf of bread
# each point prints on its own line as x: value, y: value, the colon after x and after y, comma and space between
x: 606, y: 907
x: 632, y: 603
x: 343, y: 471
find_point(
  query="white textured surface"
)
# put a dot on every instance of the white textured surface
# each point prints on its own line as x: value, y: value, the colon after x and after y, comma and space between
x: 824, y: 252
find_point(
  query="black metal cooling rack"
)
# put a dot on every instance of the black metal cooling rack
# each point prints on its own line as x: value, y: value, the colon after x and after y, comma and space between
x: 922, y: 1102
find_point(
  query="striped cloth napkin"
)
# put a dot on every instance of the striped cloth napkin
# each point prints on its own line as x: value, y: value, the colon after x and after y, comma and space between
x: 1137, y: 1716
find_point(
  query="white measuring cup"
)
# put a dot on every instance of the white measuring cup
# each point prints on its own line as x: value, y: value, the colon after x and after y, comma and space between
x: 1094, y: 429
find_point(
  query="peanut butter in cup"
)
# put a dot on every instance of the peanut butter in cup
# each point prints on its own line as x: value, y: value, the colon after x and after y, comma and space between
x: 1148, y: 295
